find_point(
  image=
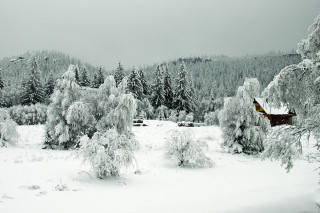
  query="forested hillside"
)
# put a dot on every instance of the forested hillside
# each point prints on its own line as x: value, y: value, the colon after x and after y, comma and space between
x: 221, y: 76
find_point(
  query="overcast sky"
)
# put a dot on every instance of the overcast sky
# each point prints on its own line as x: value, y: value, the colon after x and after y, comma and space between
x: 141, y: 32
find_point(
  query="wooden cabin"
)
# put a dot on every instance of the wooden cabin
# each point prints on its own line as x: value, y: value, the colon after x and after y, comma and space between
x: 277, y: 116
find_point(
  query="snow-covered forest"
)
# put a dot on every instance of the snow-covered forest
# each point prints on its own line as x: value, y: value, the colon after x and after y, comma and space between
x: 197, y: 134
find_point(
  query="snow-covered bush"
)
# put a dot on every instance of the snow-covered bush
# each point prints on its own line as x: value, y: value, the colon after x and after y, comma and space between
x: 182, y: 147
x: 283, y: 143
x: 108, y: 152
x: 239, y: 121
x: 212, y: 118
x: 173, y: 116
x: 182, y: 115
x: 29, y: 115
x: 8, y: 132
x: 189, y: 117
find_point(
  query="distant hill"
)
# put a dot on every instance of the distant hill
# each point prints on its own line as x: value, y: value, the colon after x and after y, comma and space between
x: 15, y: 68
x: 220, y: 76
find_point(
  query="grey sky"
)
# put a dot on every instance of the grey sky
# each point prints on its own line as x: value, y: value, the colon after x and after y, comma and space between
x: 140, y: 32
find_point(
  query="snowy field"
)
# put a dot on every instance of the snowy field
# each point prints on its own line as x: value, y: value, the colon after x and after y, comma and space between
x: 36, y: 181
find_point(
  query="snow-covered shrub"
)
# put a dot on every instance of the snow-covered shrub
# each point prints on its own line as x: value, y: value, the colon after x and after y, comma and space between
x: 173, y: 116
x: 182, y: 147
x: 29, y: 115
x: 8, y: 132
x: 189, y: 117
x: 182, y: 115
x: 283, y: 143
x: 107, y: 152
x: 212, y: 118
x: 239, y: 121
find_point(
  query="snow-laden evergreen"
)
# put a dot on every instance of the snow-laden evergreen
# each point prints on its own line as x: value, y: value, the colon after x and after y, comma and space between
x: 49, y: 86
x: 58, y: 131
x: 32, y: 88
x: 100, y: 76
x: 135, y: 85
x: 84, y: 80
x: 144, y: 83
x: 95, y: 83
x: 157, y: 97
x: 168, y: 94
x: 244, y: 129
x: 298, y: 87
x: 182, y: 98
x: 76, y: 72
x: 119, y: 74
x: 8, y: 133
x: 1, y: 81
x: 182, y: 147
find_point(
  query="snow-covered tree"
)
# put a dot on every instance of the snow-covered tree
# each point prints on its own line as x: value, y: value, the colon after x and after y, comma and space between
x: 32, y: 88
x: 95, y: 83
x: 239, y: 119
x: 157, y: 97
x: 298, y: 87
x: 49, y: 86
x: 118, y: 74
x: 134, y: 85
x: 1, y: 81
x: 182, y: 147
x: 76, y: 72
x: 84, y: 80
x: 8, y: 132
x: 100, y: 76
x: 143, y: 80
x: 168, y: 94
x: 182, y: 98
x: 58, y: 130
x: 107, y: 152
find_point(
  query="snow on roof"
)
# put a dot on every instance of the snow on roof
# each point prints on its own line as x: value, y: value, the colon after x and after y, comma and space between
x: 270, y: 109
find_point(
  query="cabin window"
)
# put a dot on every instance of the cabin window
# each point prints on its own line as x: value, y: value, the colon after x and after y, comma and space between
x: 258, y: 108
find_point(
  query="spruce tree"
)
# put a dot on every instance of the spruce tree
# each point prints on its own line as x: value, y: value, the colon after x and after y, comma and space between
x: 143, y: 80
x: 95, y: 83
x: 49, y: 87
x: 157, y: 98
x: 119, y: 74
x: 76, y: 71
x: 84, y: 79
x: 100, y: 76
x: 1, y: 82
x: 168, y: 94
x: 182, y: 99
x: 32, y: 88
x: 134, y: 85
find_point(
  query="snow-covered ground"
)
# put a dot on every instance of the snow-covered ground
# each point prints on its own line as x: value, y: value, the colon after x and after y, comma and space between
x: 36, y: 181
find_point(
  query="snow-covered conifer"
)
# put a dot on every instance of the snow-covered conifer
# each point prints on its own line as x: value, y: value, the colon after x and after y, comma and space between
x: 32, y: 88
x: 1, y: 81
x: 76, y: 72
x: 168, y: 94
x: 84, y: 80
x: 239, y: 121
x: 118, y: 74
x: 182, y: 147
x: 182, y: 99
x: 157, y: 97
x: 134, y: 85
x: 100, y: 76
x: 143, y: 80
x: 49, y: 87
x: 95, y: 83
